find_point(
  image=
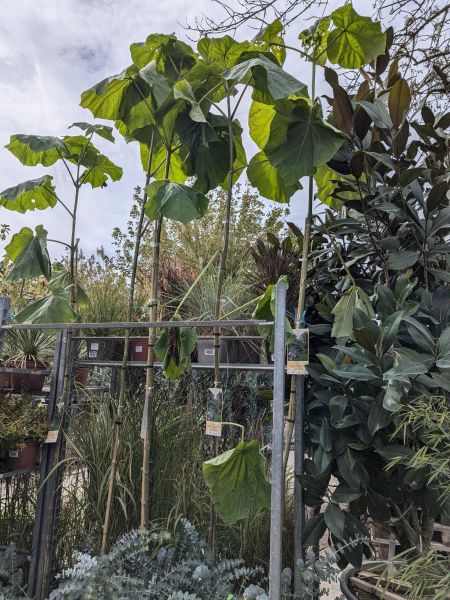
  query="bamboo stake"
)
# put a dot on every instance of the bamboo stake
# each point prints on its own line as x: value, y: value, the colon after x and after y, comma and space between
x: 150, y: 371
x: 121, y: 402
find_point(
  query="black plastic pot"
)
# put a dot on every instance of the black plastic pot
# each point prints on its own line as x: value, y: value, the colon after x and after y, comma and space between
x: 233, y: 349
x: 344, y: 580
x: 104, y: 349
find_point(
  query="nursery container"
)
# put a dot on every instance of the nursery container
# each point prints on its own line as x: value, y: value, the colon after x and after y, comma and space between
x: 5, y: 380
x: 138, y: 349
x: 345, y: 584
x: 233, y: 349
x: 104, y: 349
x: 23, y: 459
x: 28, y: 382
x: 81, y: 376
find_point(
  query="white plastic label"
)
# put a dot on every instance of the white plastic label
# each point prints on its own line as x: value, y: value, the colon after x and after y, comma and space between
x: 94, y: 346
x: 92, y: 354
x: 209, y: 351
x: 13, y: 453
x: 138, y: 348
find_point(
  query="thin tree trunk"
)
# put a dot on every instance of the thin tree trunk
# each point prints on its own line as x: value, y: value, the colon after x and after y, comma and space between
x: 150, y: 371
x: 301, y: 294
x: 218, y: 304
x: 121, y: 403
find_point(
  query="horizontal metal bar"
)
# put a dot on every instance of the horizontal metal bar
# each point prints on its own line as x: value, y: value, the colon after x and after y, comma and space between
x: 28, y: 371
x: 142, y: 365
x: 143, y: 325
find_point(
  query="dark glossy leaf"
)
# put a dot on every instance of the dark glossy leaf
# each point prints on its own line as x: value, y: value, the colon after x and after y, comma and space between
x: 344, y: 494
x: 437, y: 196
x: 314, y: 529
x: 377, y: 111
x: 337, y: 407
x: 379, y: 417
x: 335, y: 520
x: 342, y: 109
x: 399, y: 261
x: 399, y: 101
x: 174, y: 348
x: 357, y: 372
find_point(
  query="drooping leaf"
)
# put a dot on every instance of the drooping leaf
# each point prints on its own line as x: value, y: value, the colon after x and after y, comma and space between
x: 356, y: 40
x: 401, y: 260
x: 183, y: 89
x: 335, y: 520
x: 354, y: 298
x: 53, y: 308
x: 378, y: 112
x: 267, y: 77
x: 34, y: 150
x: 103, y: 131
x: 30, y: 195
x: 224, y: 51
x: 174, y: 201
x: 399, y: 101
x: 174, y: 348
x: 265, y: 311
x: 29, y: 254
x: 314, y: 529
x: 327, y: 182
x: 237, y: 481
x: 267, y: 180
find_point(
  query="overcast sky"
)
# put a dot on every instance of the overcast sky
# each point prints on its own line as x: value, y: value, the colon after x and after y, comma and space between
x: 52, y: 50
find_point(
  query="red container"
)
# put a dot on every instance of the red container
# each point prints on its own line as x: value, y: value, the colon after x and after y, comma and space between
x: 138, y: 349
x: 5, y: 380
x: 23, y: 459
x: 26, y: 381
x: 81, y: 376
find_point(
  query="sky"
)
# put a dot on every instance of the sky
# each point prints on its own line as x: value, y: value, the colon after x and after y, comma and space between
x: 51, y: 51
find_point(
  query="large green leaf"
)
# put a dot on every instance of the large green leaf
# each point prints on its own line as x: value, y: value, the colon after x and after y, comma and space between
x: 327, y: 182
x: 399, y: 101
x: 267, y: 180
x: 105, y: 98
x: 174, y: 201
x: 53, y: 308
x: 103, y: 131
x: 314, y: 529
x: 356, y: 40
x: 171, y: 56
x: 100, y: 171
x: 29, y: 254
x: 237, y: 482
x: 30, y: 195
x: 34, y: 150
x: 260, y: 118
x: 183, y: 89
x: 335, y: 520
x: 224, y: 51
x: 300, y: 140
x: 267, y: 77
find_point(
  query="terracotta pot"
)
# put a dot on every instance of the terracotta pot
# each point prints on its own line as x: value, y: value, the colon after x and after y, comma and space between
x: 26, y: 381
x: 81, y: 376
x: 23, y: 459
x: 5, y: 380
x: 138, y: 349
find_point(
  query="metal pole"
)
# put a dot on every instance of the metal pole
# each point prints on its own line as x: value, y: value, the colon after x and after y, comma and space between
x: 277, y: 500
x: 5, y: 304
x: 299, y: 452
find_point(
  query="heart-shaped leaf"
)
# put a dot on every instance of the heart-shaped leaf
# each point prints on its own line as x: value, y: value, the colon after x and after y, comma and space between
x: 237, y: 481
x: 174, y: 201
x: 30, y: 195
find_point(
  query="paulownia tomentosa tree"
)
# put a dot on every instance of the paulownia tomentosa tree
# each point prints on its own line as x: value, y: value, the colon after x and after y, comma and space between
x: 27, y: 250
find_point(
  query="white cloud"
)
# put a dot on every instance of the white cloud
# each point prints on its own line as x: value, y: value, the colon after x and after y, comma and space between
x: 52, y: 50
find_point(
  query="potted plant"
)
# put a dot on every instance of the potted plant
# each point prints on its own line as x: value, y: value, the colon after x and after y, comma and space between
x: 23, y: 426
x: 28, y: 349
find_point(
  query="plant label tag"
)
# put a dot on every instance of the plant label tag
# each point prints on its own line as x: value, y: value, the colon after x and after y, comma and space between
x: 13, y: 454
x: 138, y: 348
x: 298, y: 352
x: 94, y: 346
x: 92, y: 354
x: 209, y: 351
x: 214, y: 412
x: 52, y: 436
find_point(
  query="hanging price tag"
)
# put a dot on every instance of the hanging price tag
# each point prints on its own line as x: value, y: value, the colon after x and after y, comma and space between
x: 214, y: 412
x: 298, y: 352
